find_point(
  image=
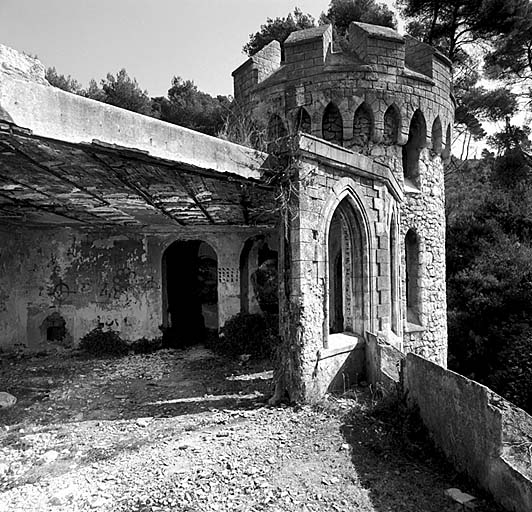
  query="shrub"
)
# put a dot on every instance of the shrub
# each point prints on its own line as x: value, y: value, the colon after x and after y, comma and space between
x: 146, y: 345
x: 103, y: 343
x: 247, y: 333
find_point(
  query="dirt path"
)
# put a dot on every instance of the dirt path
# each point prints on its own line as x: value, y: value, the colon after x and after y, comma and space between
x: 187, y: 431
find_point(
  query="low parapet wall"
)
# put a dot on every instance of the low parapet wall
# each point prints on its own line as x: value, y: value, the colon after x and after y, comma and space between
x: 383, y: 363
x: 481, y: 433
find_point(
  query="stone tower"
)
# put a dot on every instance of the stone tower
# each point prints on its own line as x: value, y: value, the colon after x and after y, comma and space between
x: 367, y: 246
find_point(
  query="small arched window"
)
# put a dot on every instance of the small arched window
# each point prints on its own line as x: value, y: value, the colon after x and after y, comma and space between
x: 363, y: 125
x: 437, y: 136
x: 394, y: 281
x: 276, y: 129
x: 412, y: 277
x: 332, y: 126
x: 447, y: 151
x: 303, y: 121
x: 417, y: 138
x: 391, y: 125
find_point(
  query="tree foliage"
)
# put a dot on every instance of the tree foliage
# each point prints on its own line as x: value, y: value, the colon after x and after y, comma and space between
x: 124, y: 92
x: 342, y: 12
x: 453, y: 25
x: 185, y: 104
x: 278, y: 29
x: 510, y: 56
x: 189, y: 107
x: 66, y: 83
x: 489, y: 271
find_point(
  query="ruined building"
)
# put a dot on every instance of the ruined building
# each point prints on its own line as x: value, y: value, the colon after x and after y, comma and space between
x: 368, y: 241
x: 110, y: 217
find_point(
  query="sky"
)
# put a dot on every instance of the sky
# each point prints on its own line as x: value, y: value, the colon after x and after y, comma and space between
x: 199, y: 40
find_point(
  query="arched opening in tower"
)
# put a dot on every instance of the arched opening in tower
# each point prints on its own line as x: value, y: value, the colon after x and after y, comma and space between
x: 346, y: 256
x: 332, y: 126
x: 412, y: 277
x: 303, y: 121
x: 362, y: 125
x: 417, y: 137
x: 437, y: 136
x: 391, y: 125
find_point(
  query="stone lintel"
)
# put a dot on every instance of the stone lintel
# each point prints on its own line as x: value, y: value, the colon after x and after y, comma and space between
x: 340, y: 157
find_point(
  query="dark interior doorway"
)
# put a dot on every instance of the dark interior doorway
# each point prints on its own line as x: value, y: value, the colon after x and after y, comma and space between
x: 336, y: 271
x: 190, y: 277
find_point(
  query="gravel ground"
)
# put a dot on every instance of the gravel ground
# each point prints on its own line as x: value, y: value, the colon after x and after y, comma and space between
x: 189, y: 431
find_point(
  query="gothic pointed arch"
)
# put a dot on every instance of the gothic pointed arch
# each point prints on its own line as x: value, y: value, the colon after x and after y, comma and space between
x: 348, y: 296
x: 332, y: 126
x: 363, y: 125
x: 394, y: 275
x: 190, y: 291
x: 417, y: 137
x: 437, y: 136
x: 412, y: 260
x: 392, y: 123
x: 276, y: 128
x: 303, y: 121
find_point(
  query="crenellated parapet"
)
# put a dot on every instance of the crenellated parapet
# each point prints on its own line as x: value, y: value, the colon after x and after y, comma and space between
x: 390, y: 76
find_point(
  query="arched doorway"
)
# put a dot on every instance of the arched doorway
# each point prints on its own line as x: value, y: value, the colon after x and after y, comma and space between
x: 190, y: 292
x: 259, y: 285
x: 347, y: 256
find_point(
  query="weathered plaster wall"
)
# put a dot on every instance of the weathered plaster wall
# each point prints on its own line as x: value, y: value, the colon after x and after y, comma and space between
x: 86, y: 278
x: 99, y: 276
x: 482, y: 434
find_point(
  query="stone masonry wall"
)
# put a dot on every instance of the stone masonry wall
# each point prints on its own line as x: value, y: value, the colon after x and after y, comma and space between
x: 384, y: 73
x: 322, y: 187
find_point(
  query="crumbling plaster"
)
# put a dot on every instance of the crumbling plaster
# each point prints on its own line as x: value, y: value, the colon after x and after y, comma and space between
x: 87, y: 277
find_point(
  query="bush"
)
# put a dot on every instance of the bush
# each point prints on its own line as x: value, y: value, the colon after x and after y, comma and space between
x: 146, y: 345
x: 246, y: 333
x: 103, y: 343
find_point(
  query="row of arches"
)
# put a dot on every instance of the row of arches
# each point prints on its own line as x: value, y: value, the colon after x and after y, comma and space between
x: 332, y: 126
x: 191, y: 277
x: 332, y: 130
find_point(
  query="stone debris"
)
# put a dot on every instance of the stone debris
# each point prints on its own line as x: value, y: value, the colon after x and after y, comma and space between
x: 49, y: 457
x: 460, y: 497
x: 230, y: 456
x: 143, y: 422
x: 7, y: 400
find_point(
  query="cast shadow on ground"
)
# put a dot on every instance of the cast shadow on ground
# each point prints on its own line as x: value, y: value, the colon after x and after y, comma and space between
x: 190, y: 386
x: 400, y: 475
